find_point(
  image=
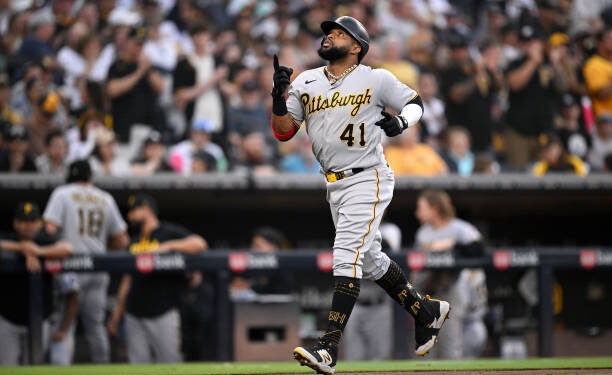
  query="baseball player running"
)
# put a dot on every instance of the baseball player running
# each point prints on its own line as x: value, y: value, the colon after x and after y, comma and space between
x: 342, y: 106
x: 88, y: 218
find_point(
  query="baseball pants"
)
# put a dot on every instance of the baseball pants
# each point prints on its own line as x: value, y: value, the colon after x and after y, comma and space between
x: 14, y: 349
x: 357, y: 204
x: 160, y: 334
x: 92, y: 310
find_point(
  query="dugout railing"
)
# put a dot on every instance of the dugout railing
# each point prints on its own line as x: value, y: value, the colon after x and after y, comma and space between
x: 225, y: 263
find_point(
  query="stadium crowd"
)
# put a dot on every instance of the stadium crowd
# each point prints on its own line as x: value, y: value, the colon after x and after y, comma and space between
x: 147, y: 86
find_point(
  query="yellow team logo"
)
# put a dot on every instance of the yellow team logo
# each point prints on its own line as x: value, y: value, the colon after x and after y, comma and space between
x: 143, y: 246
x: 318, y: 103
x: 27, y: 208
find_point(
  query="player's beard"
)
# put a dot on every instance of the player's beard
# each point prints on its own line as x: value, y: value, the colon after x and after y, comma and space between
x: 333, y: 53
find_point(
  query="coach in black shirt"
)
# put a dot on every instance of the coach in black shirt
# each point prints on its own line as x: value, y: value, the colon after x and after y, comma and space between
x: 27, y: 243
x: 152, y: 320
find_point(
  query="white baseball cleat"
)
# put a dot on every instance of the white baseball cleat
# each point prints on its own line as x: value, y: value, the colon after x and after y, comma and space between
x: 428, y: 323
x: 320, y: 357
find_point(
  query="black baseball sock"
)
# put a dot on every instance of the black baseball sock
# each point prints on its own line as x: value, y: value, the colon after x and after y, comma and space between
x: 345, y: 294
x: 397, y: 286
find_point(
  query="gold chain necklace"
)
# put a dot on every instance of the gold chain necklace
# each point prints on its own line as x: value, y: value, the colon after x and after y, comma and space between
x: 339, y: 77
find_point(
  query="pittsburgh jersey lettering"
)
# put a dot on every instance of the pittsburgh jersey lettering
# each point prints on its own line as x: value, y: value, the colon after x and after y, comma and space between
x: 317, y: 103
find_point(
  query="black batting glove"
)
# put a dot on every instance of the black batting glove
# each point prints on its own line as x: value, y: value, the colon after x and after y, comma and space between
x: 281, y: 78
x: 392, y: 125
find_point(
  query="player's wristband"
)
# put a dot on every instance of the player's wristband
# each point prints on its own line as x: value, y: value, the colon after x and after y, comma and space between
x: 279, y: 105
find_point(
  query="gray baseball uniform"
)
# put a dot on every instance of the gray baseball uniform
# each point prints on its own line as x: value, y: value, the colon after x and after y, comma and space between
x: 464, y: 336
x: 88, y: 216
x: 339, y: 119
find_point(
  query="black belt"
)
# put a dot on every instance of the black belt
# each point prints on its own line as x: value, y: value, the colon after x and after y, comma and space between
x: 336, y: 176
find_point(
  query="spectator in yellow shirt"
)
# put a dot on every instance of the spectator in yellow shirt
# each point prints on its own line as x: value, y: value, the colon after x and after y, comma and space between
x: 411, y: 157
x: 556, y: 160
x: 598, y: 73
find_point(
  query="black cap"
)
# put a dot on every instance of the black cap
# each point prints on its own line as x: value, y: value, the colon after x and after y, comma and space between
x: 17, y: 132
x: 355, y: 29
x: 79, y: 171
x: 27, y: 211
x: 153, y: 137
x: 141, y: 200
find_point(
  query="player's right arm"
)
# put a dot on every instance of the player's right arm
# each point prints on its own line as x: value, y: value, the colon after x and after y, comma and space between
x: 284, y: 126
x: 54, y: 212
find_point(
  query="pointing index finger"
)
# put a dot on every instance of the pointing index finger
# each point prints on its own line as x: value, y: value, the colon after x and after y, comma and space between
x: 276, y: 66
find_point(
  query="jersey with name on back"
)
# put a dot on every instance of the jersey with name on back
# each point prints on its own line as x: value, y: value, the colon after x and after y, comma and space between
x: 87, y: 217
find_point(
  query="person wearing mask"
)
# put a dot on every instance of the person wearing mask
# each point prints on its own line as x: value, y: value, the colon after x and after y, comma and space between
x: 150, y: 301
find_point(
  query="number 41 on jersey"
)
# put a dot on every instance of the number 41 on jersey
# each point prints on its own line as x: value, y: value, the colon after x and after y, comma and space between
x: 347, y: 135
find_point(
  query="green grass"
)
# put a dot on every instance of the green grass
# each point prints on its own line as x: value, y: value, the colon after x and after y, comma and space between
x: 293, y: 367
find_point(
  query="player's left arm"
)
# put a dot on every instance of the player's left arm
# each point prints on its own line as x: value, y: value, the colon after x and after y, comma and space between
x: 398, y: 96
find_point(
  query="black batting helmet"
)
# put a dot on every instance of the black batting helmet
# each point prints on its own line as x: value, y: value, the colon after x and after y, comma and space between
x: 79, y: 171
x: 354, y: 28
